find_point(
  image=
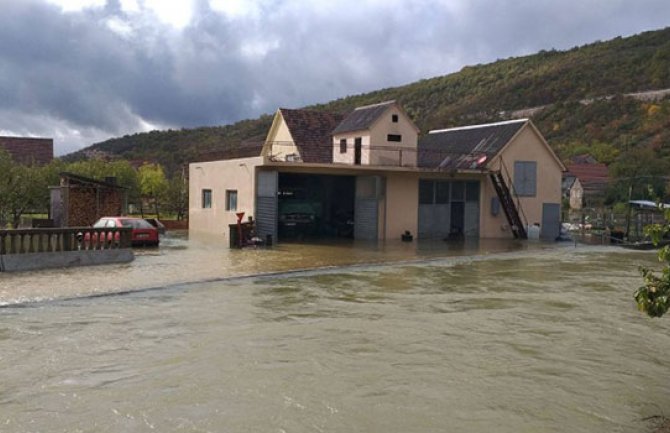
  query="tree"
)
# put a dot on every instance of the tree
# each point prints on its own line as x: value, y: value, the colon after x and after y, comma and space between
x: 653, y: 297
x: 22, y: 188
x: 153, y: 185
x: 176, y: 197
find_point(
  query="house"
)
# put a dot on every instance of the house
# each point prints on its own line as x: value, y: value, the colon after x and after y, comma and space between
x: 80, y: 201
x: 367, y: 175
x: 585, y: 183
x: 29, y: 150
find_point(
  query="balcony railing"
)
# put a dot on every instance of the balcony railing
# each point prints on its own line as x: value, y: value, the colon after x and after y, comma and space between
x: 51, y: 240
x: 382, y: 156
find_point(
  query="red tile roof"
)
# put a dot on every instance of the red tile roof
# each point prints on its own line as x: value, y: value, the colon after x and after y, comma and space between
x: 27, y: 150
x: 591, y: 176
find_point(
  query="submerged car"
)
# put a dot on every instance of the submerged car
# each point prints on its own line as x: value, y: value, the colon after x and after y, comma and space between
x: 142, y: 234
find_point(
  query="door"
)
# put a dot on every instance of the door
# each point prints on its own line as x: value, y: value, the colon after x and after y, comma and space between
x: 358, y: 149
x: 369, y: 190
x: 551, y: 221
x: 266, y: 204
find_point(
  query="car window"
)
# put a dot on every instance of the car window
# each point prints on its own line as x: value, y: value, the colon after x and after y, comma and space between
x: 136, y: 224
x: 111, y: 223
x: 100, y: 223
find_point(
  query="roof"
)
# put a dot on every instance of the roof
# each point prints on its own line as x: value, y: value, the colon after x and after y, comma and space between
x: 29, y: 150
x: 591, y: 176
x: 311, y: 132
x: 78, y: 179
x: 362, y: 117
x: 648, y: 204
x: 467, y: 147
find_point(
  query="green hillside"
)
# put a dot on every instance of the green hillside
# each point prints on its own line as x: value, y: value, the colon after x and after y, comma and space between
x: 581, y: 88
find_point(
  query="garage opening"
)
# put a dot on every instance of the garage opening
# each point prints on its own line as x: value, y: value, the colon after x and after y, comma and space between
x: 315, y: 206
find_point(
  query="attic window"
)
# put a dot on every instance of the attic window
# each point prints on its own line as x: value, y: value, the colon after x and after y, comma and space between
x: 394, y: 137
x: 343, y: 145
x: 394, y: 118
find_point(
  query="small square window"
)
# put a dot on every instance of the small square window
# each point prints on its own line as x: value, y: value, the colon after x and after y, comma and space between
x: 394, y: 118
x: 206, y: 198
x: 343, y: 145
x: 231, y: 200
x: 394, y: 137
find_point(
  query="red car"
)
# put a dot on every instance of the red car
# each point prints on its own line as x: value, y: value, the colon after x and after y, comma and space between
x: 143, y: 233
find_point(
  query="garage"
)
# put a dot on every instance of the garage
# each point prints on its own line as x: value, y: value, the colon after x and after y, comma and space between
x: 311, y: 206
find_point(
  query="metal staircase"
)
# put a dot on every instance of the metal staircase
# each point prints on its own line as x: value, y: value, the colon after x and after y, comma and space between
x: 508, y: 205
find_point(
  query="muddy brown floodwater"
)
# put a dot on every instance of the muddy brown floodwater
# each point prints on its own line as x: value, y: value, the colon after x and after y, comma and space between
x: 495, y: 336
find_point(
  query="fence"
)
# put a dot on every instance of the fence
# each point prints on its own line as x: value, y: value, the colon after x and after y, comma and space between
x: 54, y: 240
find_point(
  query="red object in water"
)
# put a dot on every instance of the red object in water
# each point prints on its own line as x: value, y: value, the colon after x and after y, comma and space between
x: 240, y: 215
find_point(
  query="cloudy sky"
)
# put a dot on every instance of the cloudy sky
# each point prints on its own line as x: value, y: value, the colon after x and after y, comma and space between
x: 82, y: 71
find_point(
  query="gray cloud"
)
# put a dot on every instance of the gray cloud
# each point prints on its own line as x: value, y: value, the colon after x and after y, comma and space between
x: 85, y: 76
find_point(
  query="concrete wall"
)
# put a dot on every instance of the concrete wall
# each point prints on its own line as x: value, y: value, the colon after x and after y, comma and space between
x: 219, y: 176
x: 526, y: 146
x: 63, y: 259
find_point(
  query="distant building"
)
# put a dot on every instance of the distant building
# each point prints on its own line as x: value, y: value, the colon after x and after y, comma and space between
x: 585, y: 183
x: 368, y: 176
x: 28, y: 150
x: 80, y: 201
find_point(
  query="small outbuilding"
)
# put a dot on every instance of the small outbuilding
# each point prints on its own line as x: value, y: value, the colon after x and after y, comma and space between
x: 79, y: 201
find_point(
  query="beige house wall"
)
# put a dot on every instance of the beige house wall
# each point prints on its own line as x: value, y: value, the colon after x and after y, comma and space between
x: 402, y: 199
x: 348, y: 157
x: 219, y: 176
x: 526, y: 146
x: 398, y: 154
x: 279, y: 142
x: 576, y: 195
x: 401, y: 153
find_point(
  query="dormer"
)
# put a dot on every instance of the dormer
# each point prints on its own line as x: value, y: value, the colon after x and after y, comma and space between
x: 300, y: 136
x: 379, y: 134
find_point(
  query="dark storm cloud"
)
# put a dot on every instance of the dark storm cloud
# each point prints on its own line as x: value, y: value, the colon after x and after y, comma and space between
x: 84, y: 76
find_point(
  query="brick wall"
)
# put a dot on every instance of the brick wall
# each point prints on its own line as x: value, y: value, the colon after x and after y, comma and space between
x: 26, y: 150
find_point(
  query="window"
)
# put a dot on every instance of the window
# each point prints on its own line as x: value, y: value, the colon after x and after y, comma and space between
x: 394, y: 137
x: 426, y: 191
x: 343, y: 145
x: 472, y: 191
x: 458, y: 191
x: 441, y: 192
x: 394, y: 118
x: 231, y: 200
x: 206, y: 198
x: 525, y: 178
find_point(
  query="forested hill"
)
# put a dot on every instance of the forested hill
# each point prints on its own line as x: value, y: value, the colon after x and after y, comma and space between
x: 580, y: 88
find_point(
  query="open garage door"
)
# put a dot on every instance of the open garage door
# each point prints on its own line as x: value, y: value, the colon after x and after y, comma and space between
x: 266, y: 204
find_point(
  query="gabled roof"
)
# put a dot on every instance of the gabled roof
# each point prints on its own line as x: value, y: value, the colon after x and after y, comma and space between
x: 591, y: 176
x: 467, y: 147
x: 311, y: 132
x: 362, y: 117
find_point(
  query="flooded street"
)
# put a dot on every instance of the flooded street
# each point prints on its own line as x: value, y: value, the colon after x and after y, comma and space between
x: 527, y: 339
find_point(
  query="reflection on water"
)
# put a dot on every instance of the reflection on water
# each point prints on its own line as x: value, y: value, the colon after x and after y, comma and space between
x: 534, y: 340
